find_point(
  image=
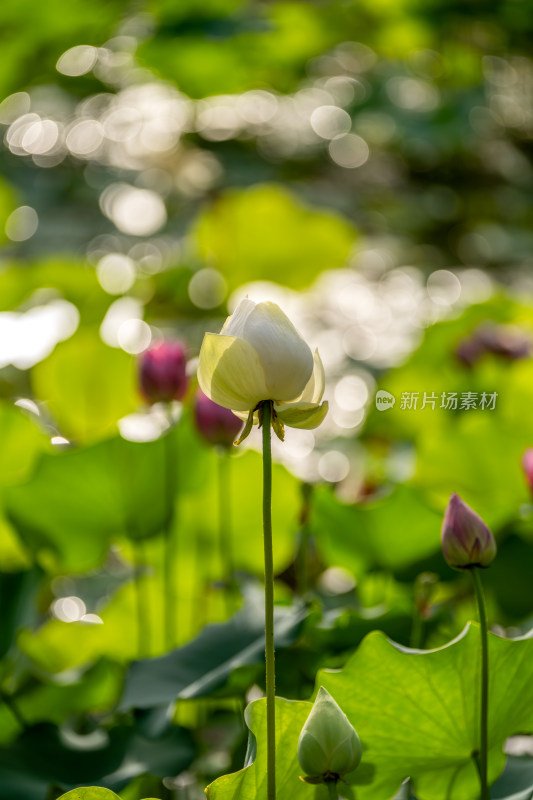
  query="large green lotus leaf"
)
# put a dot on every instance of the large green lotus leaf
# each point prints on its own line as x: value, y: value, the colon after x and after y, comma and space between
x: 250, y: 783
x: 45, y: 754
x: 203, y: 665
x: 479, y: 454
x: 417, y: 712
x: 389, y: 532
x: 479, y: 457
x: 87, y: 386
x: 236, y: 236
x: 79, y: 499
x: 22, y: 442
x: 90, y: 793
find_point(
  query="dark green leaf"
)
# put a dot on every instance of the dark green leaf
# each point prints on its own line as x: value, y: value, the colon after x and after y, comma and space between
x: 205, y: 664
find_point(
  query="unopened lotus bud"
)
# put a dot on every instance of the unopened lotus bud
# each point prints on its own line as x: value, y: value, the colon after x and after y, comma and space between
x: 217, y: 425
x: 162, y: 372
x: 527, y: 463
x: 466, y: 540
x: 328, y: 747
x: 505, y: 341
x: 469, y: 351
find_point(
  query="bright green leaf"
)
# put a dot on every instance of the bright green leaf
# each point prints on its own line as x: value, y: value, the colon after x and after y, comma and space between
x: 87, y: 386
x: 266, y: 233
x: 417, y: 712
x: 250, y: 783
x: 389, y: 532
x: 90, y: 793
x: 80, y: 499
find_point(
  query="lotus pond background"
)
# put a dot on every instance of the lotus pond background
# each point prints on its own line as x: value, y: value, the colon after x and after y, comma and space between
x: 368, y: 166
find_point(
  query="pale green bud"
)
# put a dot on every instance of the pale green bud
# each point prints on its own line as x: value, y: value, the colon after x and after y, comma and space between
x: 328, y: 746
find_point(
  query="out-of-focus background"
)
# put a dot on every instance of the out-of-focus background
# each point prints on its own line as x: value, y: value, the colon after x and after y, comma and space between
x: 367, y: 164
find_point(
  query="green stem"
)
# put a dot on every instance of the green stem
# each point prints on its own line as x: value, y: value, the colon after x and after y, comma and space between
x: 302, y: 560
x: 332, y: 790
x: 169, y: 552
x: 224, y: 524
x: 269, y: 604
x: 483, y: 749
x: 143, y: 625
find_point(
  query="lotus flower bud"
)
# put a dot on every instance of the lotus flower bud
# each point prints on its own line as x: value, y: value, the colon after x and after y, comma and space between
x: 162, y: 372
x: 328, y: 746
x: 469, y: 351
x: 466, y: 540
x: 527, y: 463
x: 218, y: 425
x: 505, y: 341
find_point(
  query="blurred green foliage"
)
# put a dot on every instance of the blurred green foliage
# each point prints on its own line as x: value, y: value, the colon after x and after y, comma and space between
x: 316, y: 146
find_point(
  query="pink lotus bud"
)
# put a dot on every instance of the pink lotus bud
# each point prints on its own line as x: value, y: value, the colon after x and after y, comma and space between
x: 217, y: 425
x: 162, y: 374
x: 469, y: 351
x: 527, y: 463
x: 466, y: 540
x: 505, y: 341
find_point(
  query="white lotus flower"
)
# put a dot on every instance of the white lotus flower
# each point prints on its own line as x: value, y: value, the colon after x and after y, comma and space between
x: 259, y: 356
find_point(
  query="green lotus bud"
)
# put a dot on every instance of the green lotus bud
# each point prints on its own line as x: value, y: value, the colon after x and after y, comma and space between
x: 328, y: 746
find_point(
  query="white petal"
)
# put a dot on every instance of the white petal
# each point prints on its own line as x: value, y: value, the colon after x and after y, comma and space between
x: 314, y: 390
x: 286, y: 359
x: 301, y: 415
x: 234, y: 324
x: 230, y: 373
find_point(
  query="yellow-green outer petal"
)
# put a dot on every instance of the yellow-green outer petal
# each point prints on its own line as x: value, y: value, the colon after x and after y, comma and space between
x: 314, y: 389
x: 301, y: 415
x: 230, y: 373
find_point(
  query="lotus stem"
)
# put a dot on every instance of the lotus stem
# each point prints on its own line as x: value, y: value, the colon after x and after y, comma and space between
x: 224, y: 525
x: 170, y: 544
x: 483, y: 749
x: 332, y: 790
x: 269, y: 603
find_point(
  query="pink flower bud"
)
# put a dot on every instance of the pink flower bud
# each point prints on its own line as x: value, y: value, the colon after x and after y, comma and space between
x: 162, y: 372
x: 466, y: 540
x: 527, y: 463
x: 217, y: 425
x: 507, y: 342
